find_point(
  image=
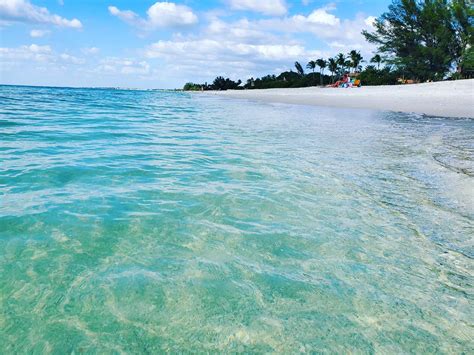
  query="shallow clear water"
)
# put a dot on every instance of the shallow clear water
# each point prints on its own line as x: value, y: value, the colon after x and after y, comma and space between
x: 142, y: 221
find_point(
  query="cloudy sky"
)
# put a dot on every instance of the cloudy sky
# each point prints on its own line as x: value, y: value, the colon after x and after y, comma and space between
x: 149, y: 44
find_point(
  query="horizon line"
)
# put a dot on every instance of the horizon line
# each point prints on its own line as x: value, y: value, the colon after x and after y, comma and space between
x: 89, y: 87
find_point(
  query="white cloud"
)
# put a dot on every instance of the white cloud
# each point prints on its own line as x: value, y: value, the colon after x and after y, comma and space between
x: 202, y: 59
x: 141, y: 68
x: 34, y: 48
x: 71, y: 59
x: 240, y: 43
x: 24, y: 11
x: 39, y: 33
x: 36, y: 53
x: 240, y: 31
x: 266, y: 7
x: 160, y: 14
x: 246, y: 48
x: 207, y: 49
x: 322, y: 17
x: 163, y: 14
x: 319, y: 22
x: 90, y: 50
x: 238, y: 49
x: 335, y: 32
x: 127, y: 16
x: 113, y: 65
x: 370, y: 21
x: 32, y: 52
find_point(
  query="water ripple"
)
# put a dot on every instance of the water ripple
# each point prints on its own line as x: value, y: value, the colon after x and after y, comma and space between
x: 148, y: 221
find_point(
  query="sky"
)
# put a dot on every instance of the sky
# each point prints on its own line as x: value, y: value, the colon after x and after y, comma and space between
x: 150, y: 44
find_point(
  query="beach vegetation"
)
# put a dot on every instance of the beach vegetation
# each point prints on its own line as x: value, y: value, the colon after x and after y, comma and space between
x: 377, y: 59
x: 466, y: 65
x: 299, y: 68
x: 341, y: 62
x: 321, y: 63
x: 311, y: 66
x: 463, y: 18
x: 333, y: 67
x: 192, y: 87
x: 287, y: 79
x: 371, y: 76
x: 355, y: 60
x: 221, y: 83
x: 424, y: 39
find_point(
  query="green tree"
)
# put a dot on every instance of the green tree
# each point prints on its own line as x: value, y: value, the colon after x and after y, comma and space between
x: 348, y: 65
x: 333, y: 67
x: 311, y: 66
x: 220, y: 83
x: 192, y: 87
x: 356, y: 59
x: 321, y: 63
x: 299, y: 68
x: 377, y: 59
x: 423, y: 38
x: 372, y: 76
x: 341, y: 62
x: 463, y: 15
x: 466, y: 65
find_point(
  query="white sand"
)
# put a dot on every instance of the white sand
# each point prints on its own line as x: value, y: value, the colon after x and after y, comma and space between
x: 447, y: 99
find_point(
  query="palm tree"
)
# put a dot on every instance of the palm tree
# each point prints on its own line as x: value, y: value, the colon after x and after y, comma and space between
x: 347, y: 64
x: 299, y: 68
x: 356, y: 59
x: 341, y: 61
x: 332, y: 66
x: 311, y: 65
x: 359, y: 60
x: 321, y: 63
x: 352, y: 54
x: 376, y: 59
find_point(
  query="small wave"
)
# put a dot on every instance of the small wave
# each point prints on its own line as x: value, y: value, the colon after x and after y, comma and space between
x: 446, y: 163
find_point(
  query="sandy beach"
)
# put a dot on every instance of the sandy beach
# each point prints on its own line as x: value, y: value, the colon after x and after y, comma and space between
x: 447, y: 99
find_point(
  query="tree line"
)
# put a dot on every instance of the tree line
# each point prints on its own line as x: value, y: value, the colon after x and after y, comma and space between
x: 336, y: 67
x: 417, y: 40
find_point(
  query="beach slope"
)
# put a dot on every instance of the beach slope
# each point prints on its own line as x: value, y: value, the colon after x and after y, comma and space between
x: 447, y: 99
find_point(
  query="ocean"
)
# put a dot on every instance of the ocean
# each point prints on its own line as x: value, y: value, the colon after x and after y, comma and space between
x: 150, y: 221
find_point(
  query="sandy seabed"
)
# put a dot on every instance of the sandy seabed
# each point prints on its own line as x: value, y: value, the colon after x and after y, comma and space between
x: 447, y: 99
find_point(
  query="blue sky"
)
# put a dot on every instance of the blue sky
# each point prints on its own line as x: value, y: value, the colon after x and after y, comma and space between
x: 150, y: 44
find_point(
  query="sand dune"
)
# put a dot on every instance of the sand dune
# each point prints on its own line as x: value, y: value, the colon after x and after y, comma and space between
x: 447, y: 99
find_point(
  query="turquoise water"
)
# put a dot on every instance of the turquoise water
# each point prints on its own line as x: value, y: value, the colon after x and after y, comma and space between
x: 147, y: 221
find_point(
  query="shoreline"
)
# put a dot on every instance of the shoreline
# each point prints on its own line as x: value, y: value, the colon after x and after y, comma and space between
x: 444, y: 99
